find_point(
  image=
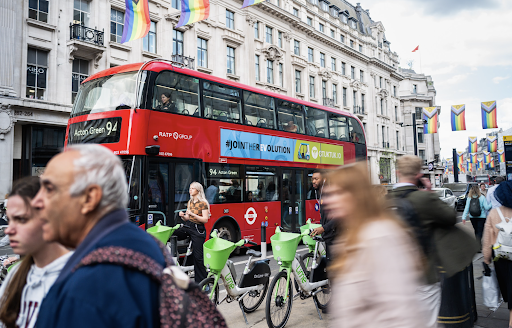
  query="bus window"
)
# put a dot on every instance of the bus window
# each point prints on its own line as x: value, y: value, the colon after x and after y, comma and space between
x: 176, y: 93
x: 221, y: 102
x: 338, y: 127
x: 290, y: 117
x: 316, y: 122
x: 260, y: 183
x: 259, y: 110
x: 356, y: 132
x: 183, y: 174
x: 224, y: 184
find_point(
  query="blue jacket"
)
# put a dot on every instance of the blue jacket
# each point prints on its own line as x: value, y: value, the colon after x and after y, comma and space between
x: 484, y: 207
x: 105, y: 295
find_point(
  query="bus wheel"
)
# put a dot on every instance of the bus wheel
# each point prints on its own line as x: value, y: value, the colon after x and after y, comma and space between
x: 227, y: 232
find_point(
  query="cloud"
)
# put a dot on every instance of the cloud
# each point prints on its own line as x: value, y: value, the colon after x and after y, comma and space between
x: 453, y: 80
x: 498, y: 79
x: 450, y: 7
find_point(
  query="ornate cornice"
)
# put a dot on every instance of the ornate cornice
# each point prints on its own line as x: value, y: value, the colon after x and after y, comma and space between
x: 7, y: 120
x: 272, y: 52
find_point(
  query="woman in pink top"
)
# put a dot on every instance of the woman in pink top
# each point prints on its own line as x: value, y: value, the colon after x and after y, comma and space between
x: 376, y: 270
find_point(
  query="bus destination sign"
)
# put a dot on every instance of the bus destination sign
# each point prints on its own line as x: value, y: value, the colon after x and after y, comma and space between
x: 106, y: 130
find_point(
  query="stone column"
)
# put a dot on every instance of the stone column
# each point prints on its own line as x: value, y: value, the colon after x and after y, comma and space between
x: 7, y: 121
x: 10, y: 25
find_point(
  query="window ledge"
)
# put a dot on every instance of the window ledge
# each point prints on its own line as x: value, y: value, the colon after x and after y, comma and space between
x: 313, y: 99
x: 42, y: 25
x: 204, y: 70
x: 150, y: 55
x: 233, y: 77
x: 119, y: 46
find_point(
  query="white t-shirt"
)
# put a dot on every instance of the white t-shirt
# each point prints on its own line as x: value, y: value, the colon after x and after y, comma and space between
x: 39, y: 282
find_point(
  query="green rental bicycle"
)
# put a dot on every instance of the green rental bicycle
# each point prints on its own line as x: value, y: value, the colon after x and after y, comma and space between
x: 280, y: 297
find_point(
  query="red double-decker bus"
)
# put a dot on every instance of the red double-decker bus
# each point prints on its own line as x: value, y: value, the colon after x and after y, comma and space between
x: 253, y: 150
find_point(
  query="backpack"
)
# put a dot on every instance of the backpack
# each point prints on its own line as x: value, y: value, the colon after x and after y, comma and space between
x: 474, y: 207
x: 182, y: 302
x: 503, y: 246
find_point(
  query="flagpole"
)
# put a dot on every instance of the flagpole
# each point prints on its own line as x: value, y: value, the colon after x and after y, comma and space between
x: 421, y: 71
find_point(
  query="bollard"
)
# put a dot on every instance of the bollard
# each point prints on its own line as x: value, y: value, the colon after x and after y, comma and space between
x: 174, y: 248
x: 263, y: 240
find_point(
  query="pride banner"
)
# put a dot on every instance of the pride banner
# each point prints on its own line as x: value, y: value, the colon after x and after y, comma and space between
x: 193, y: 11
x: 501, y: 154
x: 458, y: 114
x: 492, y: 144
x: 472, y: 146
x: 491, y: 164
x: 479, y: 164
x: 248, y: 3
x: 472, y: 158
x: 487, y: 157
x: 470, y: 167
x: 136, y: 20
x: 430, y: 116
x: 489, y: 117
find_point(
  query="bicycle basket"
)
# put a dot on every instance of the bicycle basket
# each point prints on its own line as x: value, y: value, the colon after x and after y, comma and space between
x: 307, y: 240
x: 216, y: 253
x: 284, y: 245
x: 161, y: 232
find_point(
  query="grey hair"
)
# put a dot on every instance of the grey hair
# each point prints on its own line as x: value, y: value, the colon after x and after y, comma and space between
x: 98, y: 165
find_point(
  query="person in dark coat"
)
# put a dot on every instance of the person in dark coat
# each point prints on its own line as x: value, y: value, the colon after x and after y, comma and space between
x: 83, y: 200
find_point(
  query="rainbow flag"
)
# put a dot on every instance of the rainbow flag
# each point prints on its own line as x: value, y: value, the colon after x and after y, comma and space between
x: 489, y: 117
x: 479, y: 164
x: 248, y: 3
x: 472, y: 158
x: 487, y: 157
x: 469, y: 167
x: 473, y: 146
x: 501, y: 154
x: 193, y: 11
x: 430, y: 115
x: 458, y: 117
x: 492, y: 144
x: 136, y: 20
x: 460, y: 159
x: 491, y: 164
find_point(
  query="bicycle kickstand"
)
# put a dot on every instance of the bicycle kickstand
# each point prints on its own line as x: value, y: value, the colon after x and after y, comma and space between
x: 318, y: 311
x: 243, y: 312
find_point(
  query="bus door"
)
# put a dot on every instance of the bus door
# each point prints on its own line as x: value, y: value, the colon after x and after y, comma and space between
x: 168, y: 182
x: 292, y: 199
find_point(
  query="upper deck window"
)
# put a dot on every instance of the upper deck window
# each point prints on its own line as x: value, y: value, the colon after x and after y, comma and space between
x: 221, y: 102
x: 356, y: 131
x: 259, y: 110
x: 290, y: 116
x: 176, y: 93
x: 338, y: 127
x: 316, y: 122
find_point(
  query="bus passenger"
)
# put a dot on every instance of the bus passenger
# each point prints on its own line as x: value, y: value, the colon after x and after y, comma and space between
x: 167, y: 105
x: 197, y: 214
x: 249, y: 197
x: 291, y: 127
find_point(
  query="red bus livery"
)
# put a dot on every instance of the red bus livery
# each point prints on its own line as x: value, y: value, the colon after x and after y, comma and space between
x: 253, y: 150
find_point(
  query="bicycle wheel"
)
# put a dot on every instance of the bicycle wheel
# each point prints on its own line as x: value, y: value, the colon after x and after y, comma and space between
x: 322, y: 298
x: 254, y: 299
x: 307, y: 259
x: 277, y: 309
x: 206, y: 286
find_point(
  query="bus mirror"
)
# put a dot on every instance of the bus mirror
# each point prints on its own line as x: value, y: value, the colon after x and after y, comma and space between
x: 153, y: 150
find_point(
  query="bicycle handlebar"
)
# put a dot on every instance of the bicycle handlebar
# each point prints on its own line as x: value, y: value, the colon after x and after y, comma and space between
x: 250, y: 242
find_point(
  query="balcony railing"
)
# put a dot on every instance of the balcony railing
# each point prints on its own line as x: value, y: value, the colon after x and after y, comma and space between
x: 187, y: 62
x: 358, y: 110
x: 385, y: 144
x: 83, y: 33
x: 329, y: 102
x: 380, y: 45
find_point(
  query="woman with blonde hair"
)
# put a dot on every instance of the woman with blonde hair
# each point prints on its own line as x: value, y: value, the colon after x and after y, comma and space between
x: 477, y: 208
x: 197, y: 214
x: 375, y: 270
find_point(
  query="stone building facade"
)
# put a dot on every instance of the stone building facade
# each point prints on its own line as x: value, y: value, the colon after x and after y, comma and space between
x: 327, y: 52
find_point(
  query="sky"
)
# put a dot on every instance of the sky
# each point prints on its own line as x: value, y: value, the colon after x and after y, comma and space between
x: 465, y: 45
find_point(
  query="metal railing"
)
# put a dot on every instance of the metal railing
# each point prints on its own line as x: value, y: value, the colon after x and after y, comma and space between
x: 187, y: 62
x: 380, y: 45
x: 359, y: 110
x: 329, y: 102
x: 385, y: 144
x: 87, y: 34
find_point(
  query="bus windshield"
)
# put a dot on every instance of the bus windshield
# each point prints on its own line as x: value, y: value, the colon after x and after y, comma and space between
x: 106, y: 94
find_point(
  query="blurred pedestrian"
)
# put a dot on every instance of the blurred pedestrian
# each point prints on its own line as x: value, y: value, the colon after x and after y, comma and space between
x: 490, y: 192
x: 483, y: 189
x: 197, y: 214
x: 502, y: 266
x: 476, y: 208
x: 381, y: 191
x: 375, y: 270
x: 83, y: 200
x: 28, y: 282
x: 433, y: 216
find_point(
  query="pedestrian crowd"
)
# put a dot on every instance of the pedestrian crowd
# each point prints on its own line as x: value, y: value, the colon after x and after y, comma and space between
x: 396, y: 257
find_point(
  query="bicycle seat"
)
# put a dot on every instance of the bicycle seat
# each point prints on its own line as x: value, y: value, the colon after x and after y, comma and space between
x: 254, y: 253
x: 318, y: 238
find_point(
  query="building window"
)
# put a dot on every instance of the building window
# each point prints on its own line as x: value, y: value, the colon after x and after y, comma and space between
x: 280, y: 39
x: 268, y: 34
x: 257, y: 66
x: 351, y: 43
x: 333, y: 64
x: 38, y: 9
x: 394, y: 91
x: 354, y: 98
x: 177, y: 42
x: 310, y: 21
x: 422, y: 155
x: 342, y: 38
x: 231, y: 60
x: 149, y: 41
x: 381, y: 106
x: 279, y: 3
x: 176, y: 4
x: 311, y: 87
x: 230, y: 19
x: 296, y: 47
x: 311, y: 58
x: 81, y: 12
x: 324, y: 89
x: 270, y: 71
x: 37, y: 70
x: 80, y: 73
x: 343, y: 71
x: 380, y: 82
x: 353, y: 72
x: 202, y: 52
x: 397, y: 140
x: 414, y: 88
x: 335, y: 93
x: 361, y: 76
x: 321, y: 27
x: 396, y: 113
x: 280, y: 67
x: 296, y: 12
x: 297, y: 81
x: 360, y: 48
x: 383, y: 136
x: 362, y: 102
x: 257, y: 30
x: 420, y: 136
x: 418, y: 111
x: 322, y: 59
x: 332, y: 33
x: 344, y: 96
x: 116, y: 25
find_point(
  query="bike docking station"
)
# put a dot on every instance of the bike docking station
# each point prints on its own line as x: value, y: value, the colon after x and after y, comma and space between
x: 264, y: 226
